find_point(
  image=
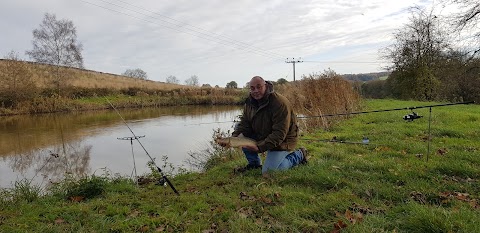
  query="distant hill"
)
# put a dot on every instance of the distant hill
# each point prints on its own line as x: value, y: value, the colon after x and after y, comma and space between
x: 366, y: 77
x: 91, y: 79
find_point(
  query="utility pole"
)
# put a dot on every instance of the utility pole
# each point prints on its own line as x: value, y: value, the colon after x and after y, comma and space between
x: 293, y: 61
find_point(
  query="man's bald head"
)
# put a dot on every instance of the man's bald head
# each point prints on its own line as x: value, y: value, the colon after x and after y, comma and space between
x: 258, y: 87
x: 257, y: 79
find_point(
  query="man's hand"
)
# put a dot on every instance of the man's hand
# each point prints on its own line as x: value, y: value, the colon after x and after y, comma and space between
x: 251, y: 148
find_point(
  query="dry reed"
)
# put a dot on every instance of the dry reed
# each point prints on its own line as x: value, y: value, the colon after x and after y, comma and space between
x: 318, y: 95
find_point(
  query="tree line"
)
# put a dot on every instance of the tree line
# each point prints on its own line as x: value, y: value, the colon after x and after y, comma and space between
x: 434, y: 58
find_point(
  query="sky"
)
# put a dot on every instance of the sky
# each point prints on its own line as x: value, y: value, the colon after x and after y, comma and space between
x: 218, y: 41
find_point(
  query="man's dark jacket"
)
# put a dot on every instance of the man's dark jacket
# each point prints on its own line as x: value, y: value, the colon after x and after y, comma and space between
x: 270, y: 121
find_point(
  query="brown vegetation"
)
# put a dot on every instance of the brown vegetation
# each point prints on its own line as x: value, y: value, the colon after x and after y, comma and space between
x: 318, y: 95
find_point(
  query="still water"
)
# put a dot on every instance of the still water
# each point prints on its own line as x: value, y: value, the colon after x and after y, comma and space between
x: 43, y: 148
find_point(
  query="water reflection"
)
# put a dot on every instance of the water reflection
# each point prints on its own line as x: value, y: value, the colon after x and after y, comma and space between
x: 72, y: 158
x: 52, y: 164
x: 48, y: 146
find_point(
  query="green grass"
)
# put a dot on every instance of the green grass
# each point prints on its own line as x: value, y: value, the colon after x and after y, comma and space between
x: 385, y: 186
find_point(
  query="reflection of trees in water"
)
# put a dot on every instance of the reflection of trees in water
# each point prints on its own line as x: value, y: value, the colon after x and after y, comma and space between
x: 22, y: 162
x: 69, y: 158
x: 66, y: 155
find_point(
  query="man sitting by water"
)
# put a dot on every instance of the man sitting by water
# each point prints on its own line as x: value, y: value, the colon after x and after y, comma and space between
x: 268, y: 118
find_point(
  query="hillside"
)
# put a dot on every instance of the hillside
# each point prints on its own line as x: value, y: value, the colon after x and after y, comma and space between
x: 366, y: 77
x: 86, y: 78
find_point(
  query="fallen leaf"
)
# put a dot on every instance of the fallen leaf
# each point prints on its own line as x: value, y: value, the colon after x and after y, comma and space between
x: 59, y: 221
x: 77, y: 198
x: 353, y: 217
x: 338, y: 214
x: 349, y: 216
x: 243, y: 196
x: 244, y: 212
x: 134, y: 213
x: 418, y: 197
x: 144, y: 228
x: 474, y: 204
x: 442, y: 151
x: 461, y: 196
x: 267, y: 200
x: 362, y: 209
x: 339, y: 225
x: 382, y: 148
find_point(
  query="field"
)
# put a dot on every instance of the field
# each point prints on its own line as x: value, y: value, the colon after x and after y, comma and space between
x: 391, y: 184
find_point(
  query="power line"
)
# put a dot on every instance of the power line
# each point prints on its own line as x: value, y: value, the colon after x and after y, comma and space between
x: 177, y: 27
x: 210, y: 33
x: 348, y: 62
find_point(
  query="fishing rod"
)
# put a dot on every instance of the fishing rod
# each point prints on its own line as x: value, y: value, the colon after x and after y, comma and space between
x: 365, y: 141
x: 409, y: 117
x: 413, y: 116
x: 164, y: 177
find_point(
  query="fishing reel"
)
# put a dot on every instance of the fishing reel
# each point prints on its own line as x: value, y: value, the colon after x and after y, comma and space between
x: 412, y: 116
x: 162, y: 182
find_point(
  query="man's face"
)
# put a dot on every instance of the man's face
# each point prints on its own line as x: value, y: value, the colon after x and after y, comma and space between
x: 257, y: 88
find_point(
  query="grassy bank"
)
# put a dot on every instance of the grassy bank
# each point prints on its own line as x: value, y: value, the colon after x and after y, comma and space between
x: 64, y: 104
x: 31, y: 88
x: 385, y: 186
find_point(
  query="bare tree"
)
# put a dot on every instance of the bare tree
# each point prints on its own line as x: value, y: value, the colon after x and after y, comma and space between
x: 467, y: 22
x: 55, y: 43
x: 136, y: 73
x: 172, y: 79
x: 192, y: 81
x: 16, y: 83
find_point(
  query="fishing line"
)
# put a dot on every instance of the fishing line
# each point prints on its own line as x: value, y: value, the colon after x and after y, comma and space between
x: 209, y: 123
x: 48, y: 160
x: 148, y: 154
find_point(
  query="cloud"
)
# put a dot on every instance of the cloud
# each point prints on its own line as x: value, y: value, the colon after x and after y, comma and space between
x: 219, y: 41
